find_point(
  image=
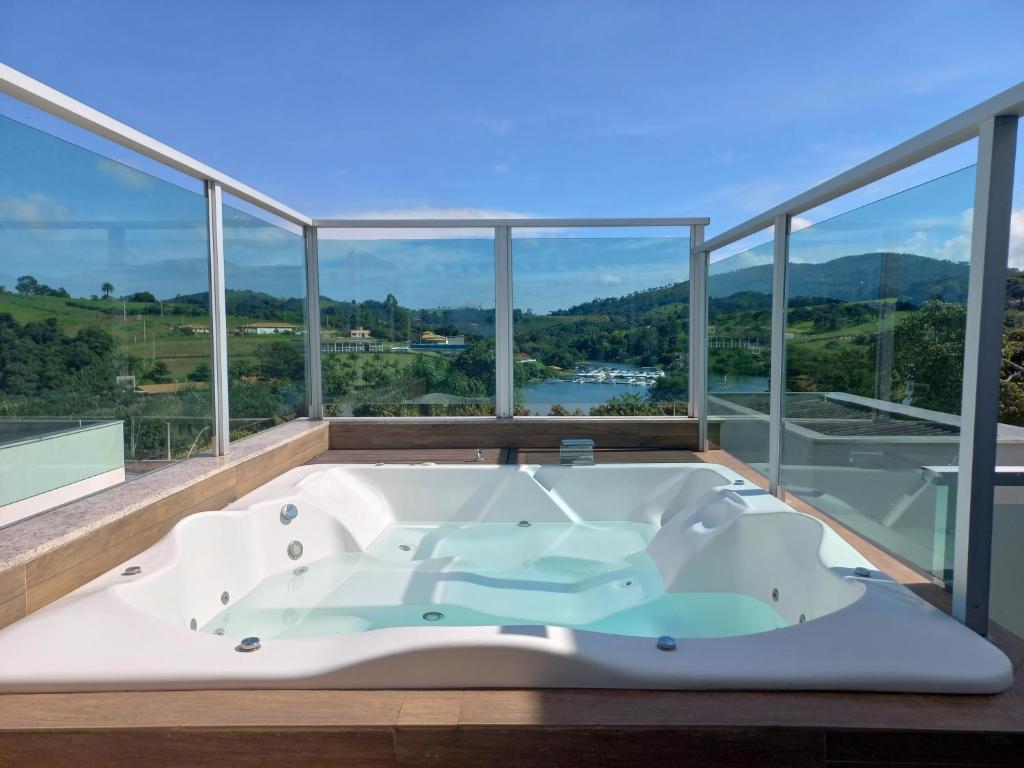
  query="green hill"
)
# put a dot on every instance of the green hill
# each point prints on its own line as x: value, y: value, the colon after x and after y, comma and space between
x: 914, y: 280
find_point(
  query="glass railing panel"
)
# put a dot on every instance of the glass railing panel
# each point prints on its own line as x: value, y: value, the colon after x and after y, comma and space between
x: 601, y: 324
x: 874, y: 364
x: 739, y: 353
x: 407, y: 324
x: 1006, y: 605
x: 103, y: 269
x: 265, y: 286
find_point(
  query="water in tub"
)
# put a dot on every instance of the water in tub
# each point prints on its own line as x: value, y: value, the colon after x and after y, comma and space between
x: 594, y: 576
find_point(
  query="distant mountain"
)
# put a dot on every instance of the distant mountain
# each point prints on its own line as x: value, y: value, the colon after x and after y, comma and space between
x: 911, y: 278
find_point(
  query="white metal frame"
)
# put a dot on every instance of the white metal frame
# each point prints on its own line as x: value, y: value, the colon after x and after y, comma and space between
x: 698, y: 344
x: 314, y: 375
x: 218, y: 319
x: 503, y: 283
x: 979, y: 412
x: 941, y: 137
x: 683, y: 221
x: 994, y: 123
x: 777, y: 386
x: 503, y: 366
x: 30, y: 91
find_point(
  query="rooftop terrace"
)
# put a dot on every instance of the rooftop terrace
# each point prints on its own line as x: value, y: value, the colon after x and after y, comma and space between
x: 880, y: 395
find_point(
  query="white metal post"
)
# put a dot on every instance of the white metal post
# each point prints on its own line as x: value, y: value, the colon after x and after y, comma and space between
x: 979, y: 413
x: 218, y: 319
x: 698, y: 361
x: 503, y: 368
x: 777, y: 382
x: 314, y: 380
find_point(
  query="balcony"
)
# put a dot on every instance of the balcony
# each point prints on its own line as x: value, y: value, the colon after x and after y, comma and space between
x: 200, y: 328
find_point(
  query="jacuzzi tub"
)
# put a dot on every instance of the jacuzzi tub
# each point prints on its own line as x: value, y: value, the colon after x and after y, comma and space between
x: 481, y: 576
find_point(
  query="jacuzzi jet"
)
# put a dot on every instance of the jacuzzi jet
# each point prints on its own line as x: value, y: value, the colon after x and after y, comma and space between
x: 737, y: 482
x: 666, y: 643
x: 193, y: 625
x: 524, y: 523
x: 224, y: 597
x: 861, y: 571
x: 288, y: 513
x: 802, y: 618
x: 295, y: 550
x: 248, y: 645
x: 775, y: 595
x: 300, y: 570
x: 132, y: 570
x: 433, y: 616
x: 405, y: 547
x: 219, y: 631
x: 627, y: 583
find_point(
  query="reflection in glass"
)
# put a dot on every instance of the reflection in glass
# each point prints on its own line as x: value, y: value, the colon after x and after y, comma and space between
x: 739, y: 354
x: 601, y: 325
x: 104, y: 316
x: 874, y: 357
x: 265, y: 285
x: 407, y: 326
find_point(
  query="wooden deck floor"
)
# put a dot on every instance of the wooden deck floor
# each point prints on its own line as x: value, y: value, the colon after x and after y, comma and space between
x: 537, y: 727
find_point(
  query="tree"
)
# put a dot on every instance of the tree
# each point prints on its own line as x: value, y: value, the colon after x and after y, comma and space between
x: 26, y: 285
x: 107, y: 290
x: 200, y: 373
x: 928, y: 361
x: 159, y: 373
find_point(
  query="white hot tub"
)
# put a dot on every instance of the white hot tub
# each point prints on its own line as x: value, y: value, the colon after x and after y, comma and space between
x: 481, y: 576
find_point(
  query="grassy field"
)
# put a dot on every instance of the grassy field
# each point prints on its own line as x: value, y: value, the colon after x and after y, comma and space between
x: 154, y: 337
x: 147, y: 337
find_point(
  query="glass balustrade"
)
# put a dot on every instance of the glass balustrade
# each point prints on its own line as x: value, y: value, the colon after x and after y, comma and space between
x: 104, y: 321
x: 265, y: 287
x: 875, y: 326
x: 739, y: 354
x: 600, y: 324
x: 407, y: 323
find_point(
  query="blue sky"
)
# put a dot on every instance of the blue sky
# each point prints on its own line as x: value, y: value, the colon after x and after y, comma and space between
x: 528, y: 108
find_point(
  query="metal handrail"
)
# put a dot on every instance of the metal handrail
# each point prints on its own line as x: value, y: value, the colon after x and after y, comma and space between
x: 939, y: 138
x: 31, y: 91
x: 682, y: 221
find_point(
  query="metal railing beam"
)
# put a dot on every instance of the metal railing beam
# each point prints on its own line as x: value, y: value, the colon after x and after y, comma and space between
x: 314, y: 378
x: 939, y: 138
x: 52, y: 101
x: 777, y: 387
x: 218, y: 319
x: 698, y: 338
x: 503, y: 345
x: 685, y: 221
x: 979, y: 411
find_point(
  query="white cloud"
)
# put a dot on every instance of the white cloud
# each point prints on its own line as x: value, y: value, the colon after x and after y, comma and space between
x: 607, y: 278
x: 800, y: 222
x: 501, y: 167
x: 1017, y: 238
x: 635, y: 130
x: 499, y: 126
x: 123, y: 174
x: 426, y: 212
x: 33, y: 209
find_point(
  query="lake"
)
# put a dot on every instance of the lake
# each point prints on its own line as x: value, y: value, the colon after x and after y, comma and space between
x: 539, y: 396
